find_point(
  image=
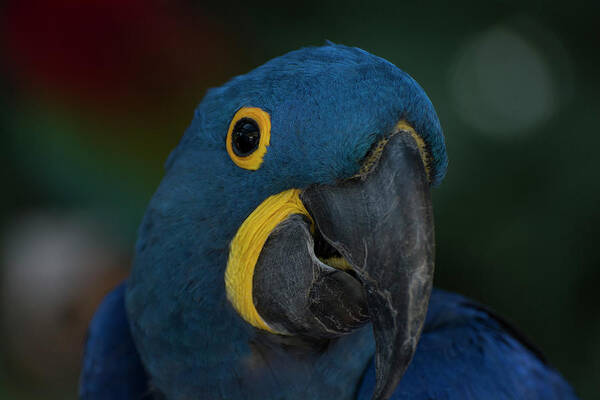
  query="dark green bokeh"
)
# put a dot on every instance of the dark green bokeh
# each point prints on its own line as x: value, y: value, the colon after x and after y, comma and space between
x: 517, y: 216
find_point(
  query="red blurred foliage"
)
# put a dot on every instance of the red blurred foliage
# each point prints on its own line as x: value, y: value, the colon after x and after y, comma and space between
x: 111, y: 50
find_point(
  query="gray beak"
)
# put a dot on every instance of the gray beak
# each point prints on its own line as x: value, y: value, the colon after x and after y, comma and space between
x: 381, y: 223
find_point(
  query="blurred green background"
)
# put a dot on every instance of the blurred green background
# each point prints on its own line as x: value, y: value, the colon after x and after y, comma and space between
x: 96, y: 94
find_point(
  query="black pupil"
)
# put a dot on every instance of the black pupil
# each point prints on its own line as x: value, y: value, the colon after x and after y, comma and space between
x: 245, y: 137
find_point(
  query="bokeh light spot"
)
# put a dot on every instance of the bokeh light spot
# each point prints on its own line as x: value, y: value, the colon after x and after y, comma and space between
x: 502, y: 85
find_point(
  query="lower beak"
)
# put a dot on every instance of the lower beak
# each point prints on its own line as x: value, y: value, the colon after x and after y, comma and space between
x: 381, y: 222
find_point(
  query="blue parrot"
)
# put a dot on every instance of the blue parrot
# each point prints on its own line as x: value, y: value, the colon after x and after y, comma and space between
x: 288, y: 253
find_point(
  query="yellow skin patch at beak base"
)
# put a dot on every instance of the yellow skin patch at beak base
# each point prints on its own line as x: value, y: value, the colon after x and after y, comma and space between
x: 246, y: 246
x: 405, y: 126
x: 337, y: 263
x: 375, y: 153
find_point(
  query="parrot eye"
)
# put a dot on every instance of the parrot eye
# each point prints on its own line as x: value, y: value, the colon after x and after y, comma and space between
x: 248, y: 137
x: 245, y: 137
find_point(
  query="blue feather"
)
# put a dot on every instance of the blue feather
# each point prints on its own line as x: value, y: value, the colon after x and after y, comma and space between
x: 112, y: 368
x: 466, y: 352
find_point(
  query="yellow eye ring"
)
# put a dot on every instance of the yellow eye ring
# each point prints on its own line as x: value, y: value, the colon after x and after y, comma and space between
x: 248, y: 136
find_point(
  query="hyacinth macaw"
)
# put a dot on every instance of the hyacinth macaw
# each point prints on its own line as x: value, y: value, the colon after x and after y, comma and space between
x: 288, y: 254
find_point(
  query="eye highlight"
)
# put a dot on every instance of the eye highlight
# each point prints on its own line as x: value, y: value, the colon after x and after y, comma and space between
x: 248, y: 137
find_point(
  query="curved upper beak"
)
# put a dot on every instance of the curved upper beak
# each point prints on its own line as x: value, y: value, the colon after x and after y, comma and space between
x: 381, y: 223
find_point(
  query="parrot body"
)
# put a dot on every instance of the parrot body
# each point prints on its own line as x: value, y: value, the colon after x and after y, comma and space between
x: 288, y: 254
x: 465, y: 352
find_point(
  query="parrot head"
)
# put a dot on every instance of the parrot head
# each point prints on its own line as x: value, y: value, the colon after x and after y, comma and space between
x: 295, y: 211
